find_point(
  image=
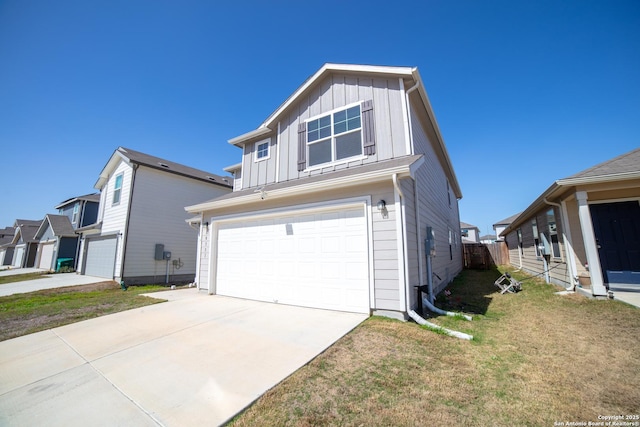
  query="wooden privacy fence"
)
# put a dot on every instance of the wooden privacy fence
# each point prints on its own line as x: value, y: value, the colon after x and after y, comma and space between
x: 484, y: 256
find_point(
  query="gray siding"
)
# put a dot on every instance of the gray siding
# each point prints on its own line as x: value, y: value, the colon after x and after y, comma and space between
x: 158, y: 216
x: 334, y: 92
x: 437, y: 206
x: 48, y: 234
x: 528, y: 259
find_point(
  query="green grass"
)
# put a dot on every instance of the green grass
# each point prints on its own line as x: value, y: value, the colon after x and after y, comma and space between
x: 22, y: 314
x: 21, y: 277
x: 536, y: 358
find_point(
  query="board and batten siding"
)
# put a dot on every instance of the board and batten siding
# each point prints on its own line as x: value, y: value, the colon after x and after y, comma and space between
x: 437, y: 206
x: 158, y: 216
x: 334, y: 92
x: 203, y: 273
x: 114, y: 217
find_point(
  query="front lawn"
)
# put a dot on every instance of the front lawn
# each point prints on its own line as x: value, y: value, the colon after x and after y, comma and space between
x: 537, y: 359
x: 22, y: 314
x: 21, y: 277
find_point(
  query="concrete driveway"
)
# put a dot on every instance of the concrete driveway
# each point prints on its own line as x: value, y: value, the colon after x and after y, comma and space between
x: 46, y: 281
x: 196, y: 360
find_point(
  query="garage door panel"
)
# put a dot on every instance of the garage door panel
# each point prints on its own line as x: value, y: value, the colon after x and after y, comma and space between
x: 315, y: 260
x: 46, y: 255
x: 100, y: 256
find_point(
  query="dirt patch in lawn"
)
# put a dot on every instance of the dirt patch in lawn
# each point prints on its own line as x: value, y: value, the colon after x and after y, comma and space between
x: 537, y: 358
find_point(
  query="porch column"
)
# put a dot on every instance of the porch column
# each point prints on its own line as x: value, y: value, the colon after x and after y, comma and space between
x: 597, y: 284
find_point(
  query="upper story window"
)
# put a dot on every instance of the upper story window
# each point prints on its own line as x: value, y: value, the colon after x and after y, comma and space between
x: 262, y: 151
x: 335, y: 136
x: 74, y: 217
x: 117, y: 189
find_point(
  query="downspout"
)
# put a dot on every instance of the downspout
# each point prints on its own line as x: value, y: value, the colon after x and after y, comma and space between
x: 408, y: 106
x: 569, y: 249
x: 420, y: 321
x: 400, y: 214
x: 126, y: 227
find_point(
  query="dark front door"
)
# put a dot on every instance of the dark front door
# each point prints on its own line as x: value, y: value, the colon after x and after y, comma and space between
x: 617, y: 230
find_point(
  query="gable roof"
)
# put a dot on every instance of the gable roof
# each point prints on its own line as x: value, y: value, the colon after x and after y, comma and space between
x: 508, y: 220
x: 136, y: 157
x: 26, y: 228
x: 379, y: 70
x: 93, y: 197
x: 621, y: 168
x: 60, y: 226
x: 465, y: 225
x: 6, y: 235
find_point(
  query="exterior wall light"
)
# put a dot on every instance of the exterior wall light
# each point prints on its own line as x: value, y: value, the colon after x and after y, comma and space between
x: 381, y: 205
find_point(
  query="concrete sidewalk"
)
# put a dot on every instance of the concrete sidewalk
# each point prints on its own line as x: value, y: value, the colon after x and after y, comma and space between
x: 196, y: 360
x: 46, y: 281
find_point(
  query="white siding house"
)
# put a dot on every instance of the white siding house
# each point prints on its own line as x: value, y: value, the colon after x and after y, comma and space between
x: 141, y: 206
x: 334, y: 196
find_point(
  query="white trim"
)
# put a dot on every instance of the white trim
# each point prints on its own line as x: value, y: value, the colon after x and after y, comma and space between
x: 232, y: 168
x: 406, y: 116
x: 328, y: 205
x: 332, y: 139
x: 373, y: 176
x: 334, y: 164
x: 566, y: 232
x: 598, y: 179
x: 589, y: 239
x: 421, y: 258
x: 400, y: 234
x: 253, y: 134
x: 257, y: 145
x: 278, y: 154
x: 626, y: 199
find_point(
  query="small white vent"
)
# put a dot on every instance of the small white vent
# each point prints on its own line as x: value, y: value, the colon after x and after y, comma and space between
x: 164, y: 165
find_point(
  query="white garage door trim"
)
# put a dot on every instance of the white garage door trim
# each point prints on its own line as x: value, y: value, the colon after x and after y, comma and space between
x: 274, y: 283
x: 18, y: 255
x: 100, y: 256
x: 46, y: 255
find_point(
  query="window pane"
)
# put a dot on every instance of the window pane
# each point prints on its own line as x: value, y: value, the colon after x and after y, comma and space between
x: 325, y: 132
x: 348, y: 145
x: 339, y: 127
x: 263, y: 150
x: 312, y: 125
x: 325, y: 121
x: 340, y: 116
x: 353, y: 112
x: 354, y: 123
x: 320, y: 152
x: 118, y: 181
x: 313, y: 135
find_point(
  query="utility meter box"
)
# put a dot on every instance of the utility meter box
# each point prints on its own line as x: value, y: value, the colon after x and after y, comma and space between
x: 166, y: 255
x: 159, y: 252
x: 430, y: 242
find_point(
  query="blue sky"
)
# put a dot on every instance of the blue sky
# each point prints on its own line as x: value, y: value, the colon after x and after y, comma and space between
x: 524, y: 92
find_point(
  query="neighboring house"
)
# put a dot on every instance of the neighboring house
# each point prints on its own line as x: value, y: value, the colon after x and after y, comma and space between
x: 333, y: 199
x: 488, y: 239
x: 470, y: 233
x: 25, y: 243
x: 6, y: 247
x: 501, y: 225
x: 57, y: 239
x: 584, y: 230
x: 140, y: 235
x: 81, y: 210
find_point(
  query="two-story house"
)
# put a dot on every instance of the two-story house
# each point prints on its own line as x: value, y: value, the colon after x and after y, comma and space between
x: 334, y: 197
x: 56, y: 235
x: 141, y: 235
x: 469, y: 232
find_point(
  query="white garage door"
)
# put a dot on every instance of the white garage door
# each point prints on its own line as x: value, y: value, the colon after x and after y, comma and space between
x: 17, y: 256
x: 315, y: 259
x: 101, y: 256
x: 46, y: 255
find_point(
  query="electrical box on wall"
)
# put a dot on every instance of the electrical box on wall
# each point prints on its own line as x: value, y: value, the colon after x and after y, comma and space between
x: 159, y: 252
x: 166, y: 255
x: 430, y: 242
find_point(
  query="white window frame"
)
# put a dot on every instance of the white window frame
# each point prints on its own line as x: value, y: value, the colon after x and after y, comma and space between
x: 334, y: 162
x: 256, y: 158
x: 117, y: 190
x: 74, y: 215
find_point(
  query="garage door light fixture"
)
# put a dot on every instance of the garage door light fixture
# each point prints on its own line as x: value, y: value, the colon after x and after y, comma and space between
x: 382, y: 205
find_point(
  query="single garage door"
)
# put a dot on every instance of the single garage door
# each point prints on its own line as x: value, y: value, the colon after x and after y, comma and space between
x: 312, y: 259
x: 18, y: 256
x: 46, y: 255
x: 100, y: 256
